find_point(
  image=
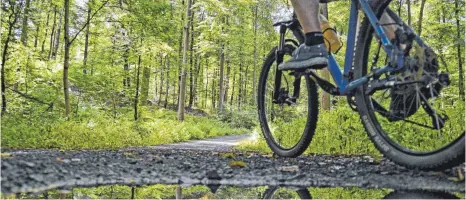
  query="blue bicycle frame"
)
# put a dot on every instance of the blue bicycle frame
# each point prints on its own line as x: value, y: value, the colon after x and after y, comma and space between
x: 342, y: 78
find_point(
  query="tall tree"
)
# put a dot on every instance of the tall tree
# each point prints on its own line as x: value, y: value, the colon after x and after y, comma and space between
x: 66, y: 64
x: 136, y: 98
x: 421, y: 16
x: 182, y: 95
x: 12, y: 19
x: 86, y: 40
x: 24, y: 30
x: 46, y: 32
x: 57, y: 36
x: 66, y: 59
x: 221, y: 95
x: 409, y: 12
x: 53, y: 32
x: 255, y: 55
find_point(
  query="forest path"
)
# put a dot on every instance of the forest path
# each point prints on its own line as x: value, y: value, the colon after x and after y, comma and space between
x: 190, y: 163
x: 219, y: 144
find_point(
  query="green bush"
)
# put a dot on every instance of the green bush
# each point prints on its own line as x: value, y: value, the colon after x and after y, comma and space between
x: 95, y: 129
x: 239, y: 119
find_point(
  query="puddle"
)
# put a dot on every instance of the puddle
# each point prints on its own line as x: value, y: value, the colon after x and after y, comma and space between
x: 161, y: 191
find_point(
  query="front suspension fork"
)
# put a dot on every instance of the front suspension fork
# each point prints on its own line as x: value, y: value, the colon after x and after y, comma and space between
x: 279, y: 54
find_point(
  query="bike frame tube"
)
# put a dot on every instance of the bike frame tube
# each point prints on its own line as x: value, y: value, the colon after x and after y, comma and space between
x: 375, y: 23
x: 342, y: 78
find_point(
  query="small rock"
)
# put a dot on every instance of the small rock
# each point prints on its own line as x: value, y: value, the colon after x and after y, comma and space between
x: 293, y: 168
x: 213, y: 174
x: 132, y: 162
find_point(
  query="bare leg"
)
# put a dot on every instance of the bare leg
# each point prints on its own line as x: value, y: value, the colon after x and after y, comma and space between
x: 308, y: 14
x: 389, y: 30
x: 313, y: 53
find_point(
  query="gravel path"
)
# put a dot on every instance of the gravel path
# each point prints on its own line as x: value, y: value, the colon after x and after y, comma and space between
x: 219, y: 144
x: 40, y: 170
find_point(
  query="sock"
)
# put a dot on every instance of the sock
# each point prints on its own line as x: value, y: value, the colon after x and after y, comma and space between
x: 314, y: 38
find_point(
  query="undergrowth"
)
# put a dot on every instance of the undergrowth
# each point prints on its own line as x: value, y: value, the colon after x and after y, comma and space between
x: 98, y: 129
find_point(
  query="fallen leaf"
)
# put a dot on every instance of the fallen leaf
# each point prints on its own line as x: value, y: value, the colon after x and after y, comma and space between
x: 128, y: 153
x: 227, y: 155
x: 237, y: 163
x: 5, y: 155
x: 59, y: 159
x: 460, y: 174
x: 456, y: 179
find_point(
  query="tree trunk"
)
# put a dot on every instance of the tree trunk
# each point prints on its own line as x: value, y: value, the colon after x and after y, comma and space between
x: 191, y: 64
x: 207, y: 81
x: 46, y: 32
x: 53, y: 32
x: 399, y: 7
x: 245, y: 85
x: 255, y: 55
x: 86, y: 41
x: 57, y: 37
x: 196, y: 78
x: 126, y: 78
x: 145, y: 85
x: 421, y: 15
x: 36, y: 37
x: 12, y: 18
x: 221, y: 95
x: 182, y: 95
x: 213, y: 92
x: 66, y: 65
x: 227, y: 81
x: 232, y: 90
x: 409, y: 12
x: 161, y: 80
x: 240, y: 82
x: 459, y: 42
x: 136, y: 98
x: 24, y: 30
x: 167, y: 84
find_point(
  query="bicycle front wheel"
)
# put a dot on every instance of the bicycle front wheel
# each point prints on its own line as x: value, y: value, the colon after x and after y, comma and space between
x: 287, y: 126
x: 419, y: 122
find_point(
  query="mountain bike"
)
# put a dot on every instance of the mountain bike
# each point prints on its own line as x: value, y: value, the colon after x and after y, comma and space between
x: 395, y: 85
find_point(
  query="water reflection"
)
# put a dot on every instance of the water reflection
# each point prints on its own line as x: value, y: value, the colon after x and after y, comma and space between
x: 228, y: 192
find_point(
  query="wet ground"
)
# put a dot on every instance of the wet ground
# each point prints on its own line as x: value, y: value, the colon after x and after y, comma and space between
x: 37, y: 171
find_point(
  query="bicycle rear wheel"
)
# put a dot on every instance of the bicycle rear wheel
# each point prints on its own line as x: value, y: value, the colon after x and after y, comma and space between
x: 288, y: 128
x: 419, y: 124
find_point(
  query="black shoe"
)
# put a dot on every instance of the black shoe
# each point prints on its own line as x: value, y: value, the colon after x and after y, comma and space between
x: 315, y: 57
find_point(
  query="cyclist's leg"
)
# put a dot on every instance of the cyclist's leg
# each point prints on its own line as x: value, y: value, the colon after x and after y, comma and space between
x: 307, y: 12
x: 313, y: 53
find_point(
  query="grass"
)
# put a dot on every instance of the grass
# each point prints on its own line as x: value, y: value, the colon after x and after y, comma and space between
x: 340, y: 131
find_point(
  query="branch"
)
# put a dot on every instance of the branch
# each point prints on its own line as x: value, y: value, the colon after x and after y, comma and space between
x: 88, y: 21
